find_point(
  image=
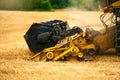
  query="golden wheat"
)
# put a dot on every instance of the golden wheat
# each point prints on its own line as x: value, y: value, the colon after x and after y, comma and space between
x: 14, y: 51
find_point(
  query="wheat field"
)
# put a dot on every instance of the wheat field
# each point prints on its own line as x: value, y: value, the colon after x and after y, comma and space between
x: 14, y: 51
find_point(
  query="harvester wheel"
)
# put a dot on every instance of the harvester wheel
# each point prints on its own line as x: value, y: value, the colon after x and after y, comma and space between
x: 91, y: 51
x: 50, y: 55
x: 76, y: 50
x: 80, y: 55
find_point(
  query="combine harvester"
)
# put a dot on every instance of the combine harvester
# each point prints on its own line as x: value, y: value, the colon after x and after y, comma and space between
x: 55, y: 41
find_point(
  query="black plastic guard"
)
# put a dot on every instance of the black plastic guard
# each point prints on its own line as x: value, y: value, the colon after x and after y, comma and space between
x: 39, y: 28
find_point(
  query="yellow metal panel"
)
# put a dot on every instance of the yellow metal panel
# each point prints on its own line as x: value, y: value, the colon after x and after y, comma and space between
x: 116, y: 4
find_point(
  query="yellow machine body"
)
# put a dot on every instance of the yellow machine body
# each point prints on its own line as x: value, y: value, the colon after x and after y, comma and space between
x: 75, y: 47
x: 107, y: 7
x: 111, y: 38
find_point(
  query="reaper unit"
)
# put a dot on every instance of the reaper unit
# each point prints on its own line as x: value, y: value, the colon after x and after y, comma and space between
x: 54, y: 40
